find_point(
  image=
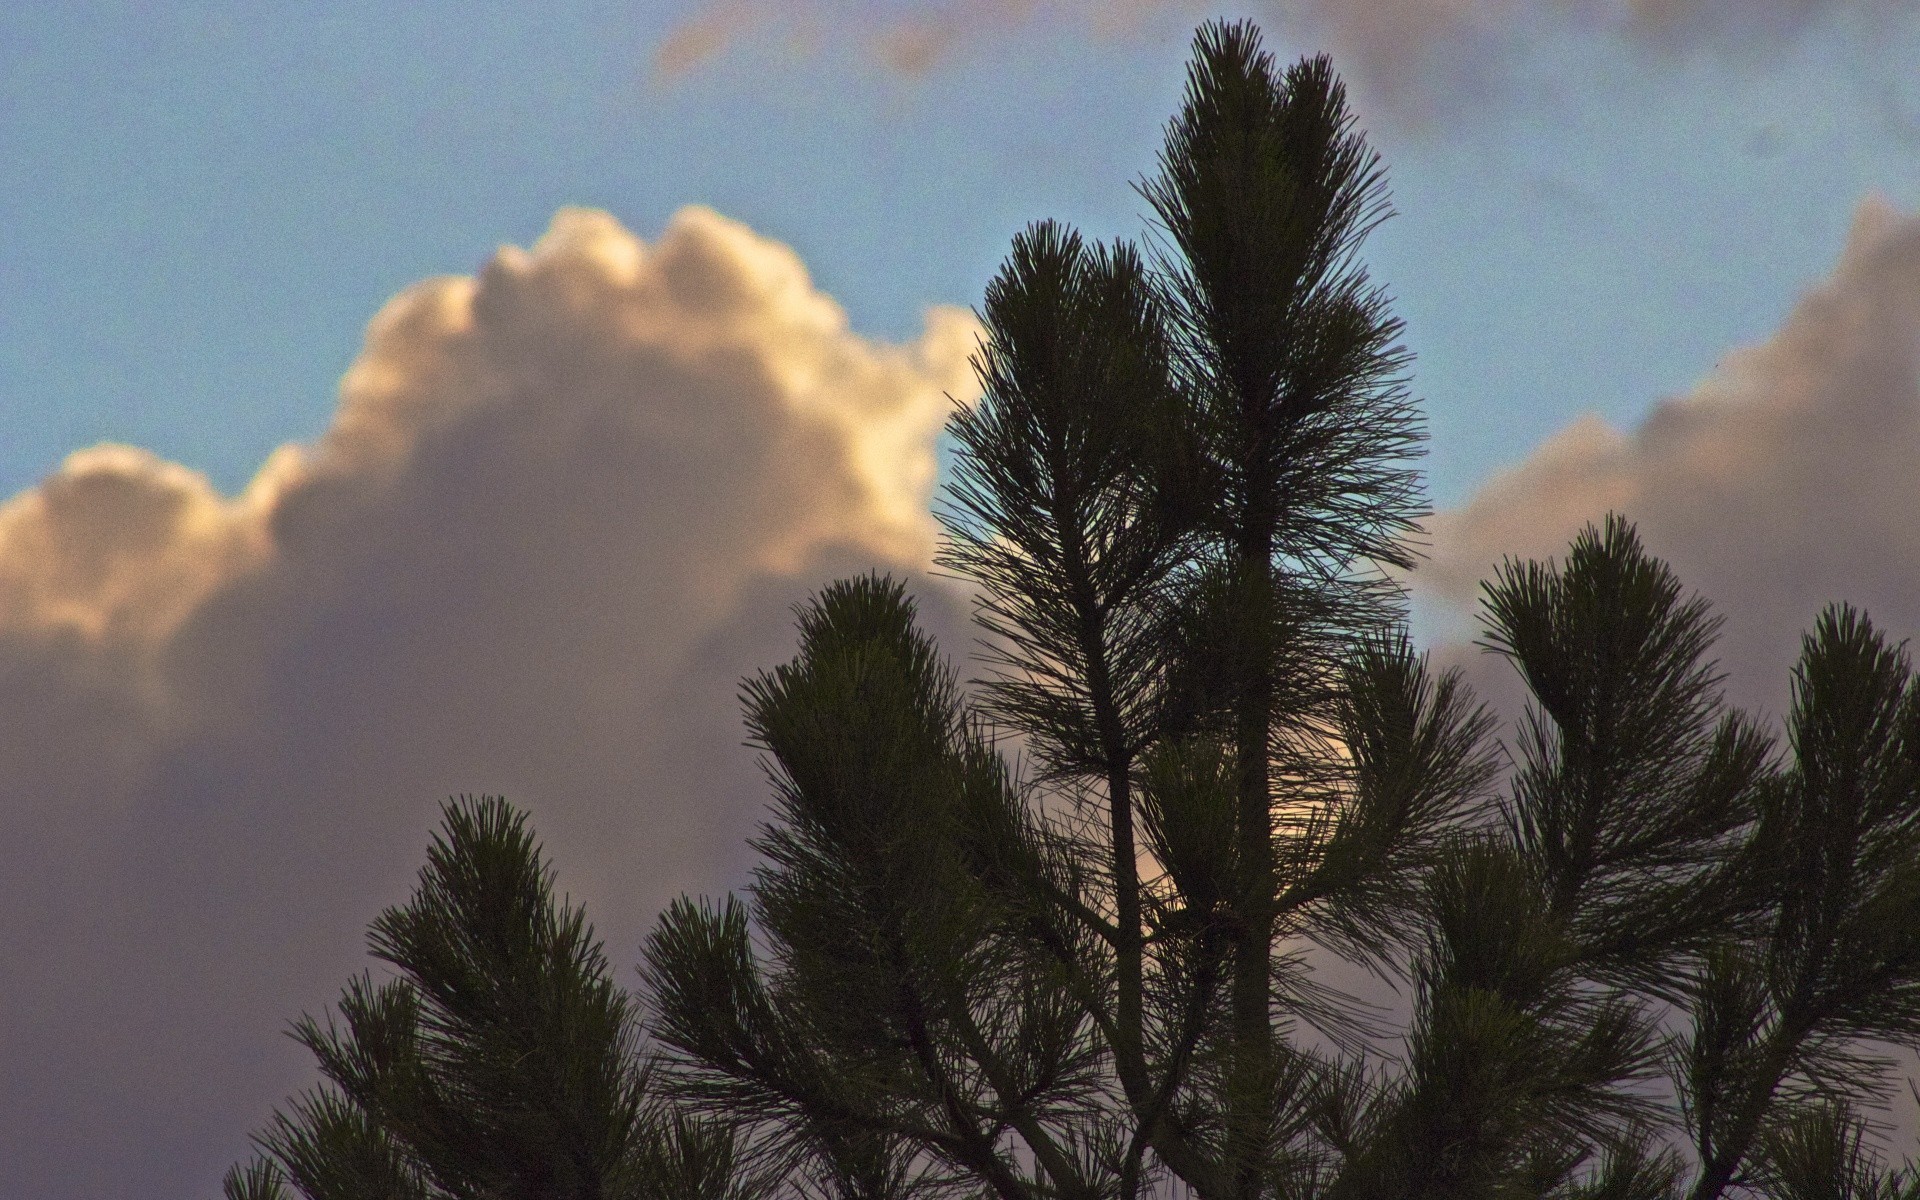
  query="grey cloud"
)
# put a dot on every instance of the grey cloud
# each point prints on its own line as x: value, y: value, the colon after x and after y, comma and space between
x: 1785, y: 480
x: 702, y: 36
x: 1408, y: 54
x: 563, y: 508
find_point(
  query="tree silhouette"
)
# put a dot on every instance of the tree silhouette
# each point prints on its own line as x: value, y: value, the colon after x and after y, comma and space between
x: 501, y: 1061
x: 1065, y: 935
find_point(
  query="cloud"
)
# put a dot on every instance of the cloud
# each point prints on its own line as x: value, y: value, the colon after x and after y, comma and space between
x: 908, y: 39
x: 563, y: 507
x: 706, y: 34
x: 1783, y: 481
x: 1404, y: 52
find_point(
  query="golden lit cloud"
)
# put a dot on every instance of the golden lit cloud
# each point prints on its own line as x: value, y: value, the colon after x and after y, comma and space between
x: 563, y: 507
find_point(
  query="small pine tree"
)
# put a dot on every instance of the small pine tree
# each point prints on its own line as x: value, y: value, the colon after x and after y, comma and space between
x: 500, y: 1061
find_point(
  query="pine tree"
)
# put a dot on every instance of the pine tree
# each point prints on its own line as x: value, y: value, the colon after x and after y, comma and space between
x: 1063, y: 934
x: 499, y: 1061
x: 1179, y: 500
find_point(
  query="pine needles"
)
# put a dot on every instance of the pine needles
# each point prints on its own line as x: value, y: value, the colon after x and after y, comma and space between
x: 1663, y: 956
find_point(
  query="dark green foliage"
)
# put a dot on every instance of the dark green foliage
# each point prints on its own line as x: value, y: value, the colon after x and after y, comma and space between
x: 329, y: 1147
x: 257, y: 1180
x: 1786, y: 1016
x: 1820, y: 1152
x: 1633, y: 781
x: 500, y: 1062
x: 1514, y: 1073
x: 1053, y: 518
x: 1290, y: 369
x: 892, y: 1006
x: 1665, y: 955
x: 1175, y: 494
x: 1177, y: 497
x: 1417, y: 768
x: 1290, y: 356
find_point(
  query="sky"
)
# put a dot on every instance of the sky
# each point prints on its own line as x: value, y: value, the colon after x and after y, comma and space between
x: 409, y: 402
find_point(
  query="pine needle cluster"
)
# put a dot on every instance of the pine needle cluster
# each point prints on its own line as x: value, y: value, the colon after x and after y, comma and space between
x: 497, y: 1060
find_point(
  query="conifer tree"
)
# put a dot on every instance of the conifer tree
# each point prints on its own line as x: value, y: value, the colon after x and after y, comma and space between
x: 500, y: 1061
x: 1063, y: 934
x: 1179, y: 500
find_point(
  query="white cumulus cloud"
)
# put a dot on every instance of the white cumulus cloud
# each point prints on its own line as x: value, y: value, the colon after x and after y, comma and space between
x: 1787, y: 479
x: 563, y: 507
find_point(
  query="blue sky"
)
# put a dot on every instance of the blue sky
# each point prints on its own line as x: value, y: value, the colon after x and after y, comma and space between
x: 205, y: 203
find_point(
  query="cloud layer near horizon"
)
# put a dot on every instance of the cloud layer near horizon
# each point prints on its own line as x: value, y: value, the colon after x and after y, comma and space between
x: 562, y: 509
x: 1788, y: 479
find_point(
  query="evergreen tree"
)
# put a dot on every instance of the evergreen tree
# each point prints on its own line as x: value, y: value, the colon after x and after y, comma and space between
x: 1177, y: 496
x: 1652, y: 948
x: 500, y: 1063
x: 1178, y: 500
